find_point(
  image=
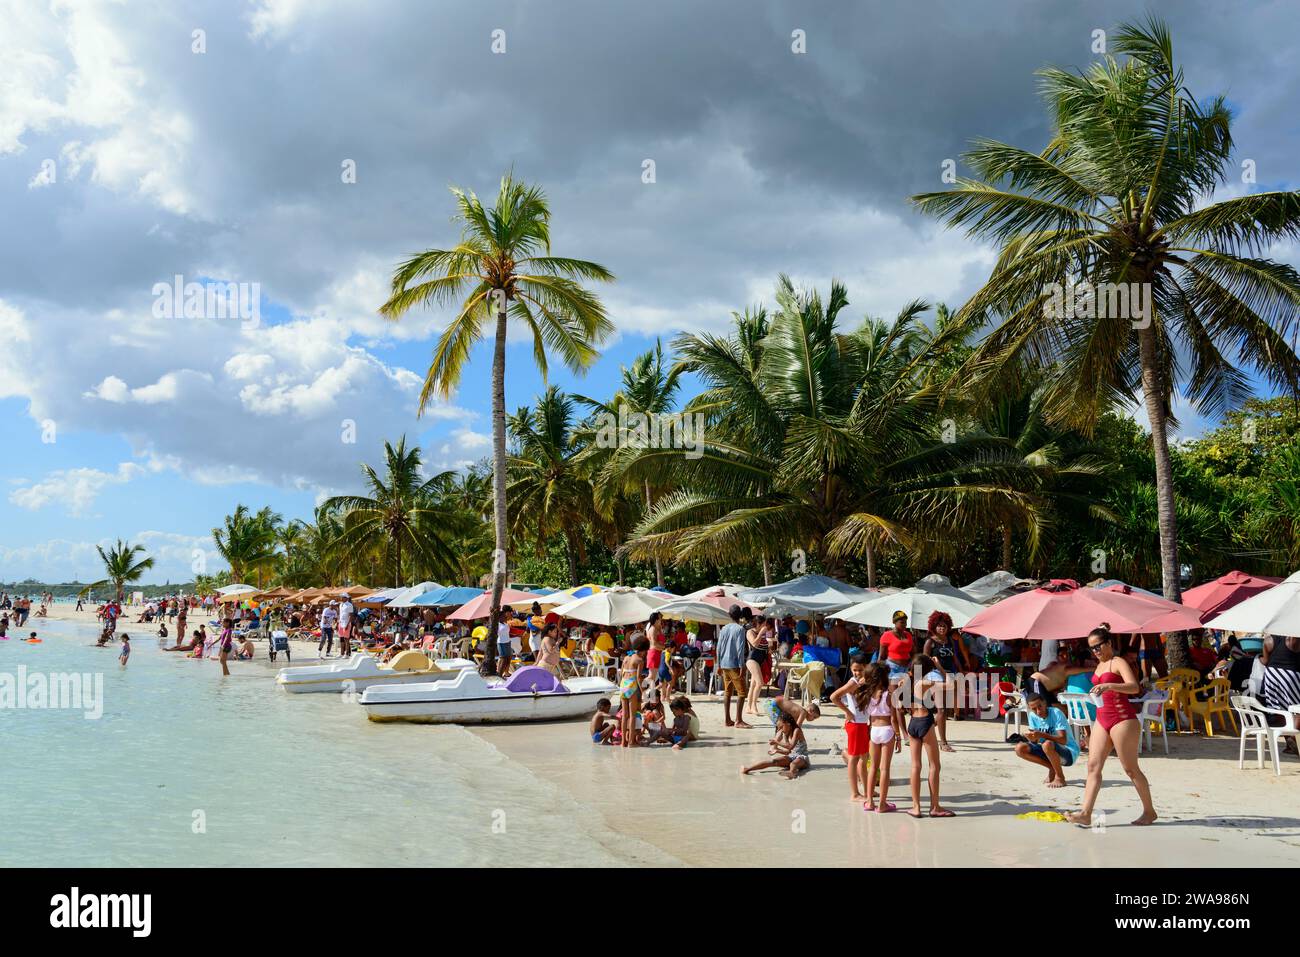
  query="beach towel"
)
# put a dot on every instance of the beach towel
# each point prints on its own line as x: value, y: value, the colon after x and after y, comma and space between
x: 827, y: 656
x: 1052, y: 817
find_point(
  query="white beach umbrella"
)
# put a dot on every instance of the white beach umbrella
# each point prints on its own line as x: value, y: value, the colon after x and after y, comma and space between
x: 1272, y: 612
x: 918, y: 603
x: 615, y: 606
x: 995, y: 585
x: 684, y: 610
x: 806, y: 595
x: 941, y: 585
x: 238, y: 589
x: 405, y: 597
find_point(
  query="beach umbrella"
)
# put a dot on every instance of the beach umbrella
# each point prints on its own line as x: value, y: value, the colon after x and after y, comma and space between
x: 406, y: 597
x: 480, y: 606
x: 1272, y: 612
x: 721, y: 596
x: 1062, y: 610
x: 916, y: 602
x: 806, y: 595
x: 684, y: 610
x: 1159, y: 605
x: 614, y: 606
x: 1114, y: 584
x: 444, y: 596
x: 1217, y: 596
x: 577, y: 591
x: 995, y: 585
x: 231, y: 591
x: 940, y: 585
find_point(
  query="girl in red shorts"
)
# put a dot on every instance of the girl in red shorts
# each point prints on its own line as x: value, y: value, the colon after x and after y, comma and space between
x: 857, y: 725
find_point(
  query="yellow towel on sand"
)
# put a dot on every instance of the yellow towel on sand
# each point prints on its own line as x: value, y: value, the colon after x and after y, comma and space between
x: 1055, y: 817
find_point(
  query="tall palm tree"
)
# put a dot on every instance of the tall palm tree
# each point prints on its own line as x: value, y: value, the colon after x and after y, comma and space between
x: 821, y: 441
x: 649, y: 388
x: 502, y: 268
x: 248, y: 541
x: 1120, y: 195
x: 400, y: 515
x: 550, y: 490
x: 120, y: 567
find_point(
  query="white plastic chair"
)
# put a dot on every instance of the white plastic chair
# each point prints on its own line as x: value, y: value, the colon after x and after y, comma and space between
x: 1151, y: 716
x: 1254, y: 727
x: 1076, y: 711
x: 1015, y: 708
x: 1275, y: 734
x: 599, y: 665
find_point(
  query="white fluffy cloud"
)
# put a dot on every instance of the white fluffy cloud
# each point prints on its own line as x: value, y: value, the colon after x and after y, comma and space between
x: 73, y: 489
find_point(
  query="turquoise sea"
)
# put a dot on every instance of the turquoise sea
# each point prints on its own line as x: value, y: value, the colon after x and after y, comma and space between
x: 185, y: 767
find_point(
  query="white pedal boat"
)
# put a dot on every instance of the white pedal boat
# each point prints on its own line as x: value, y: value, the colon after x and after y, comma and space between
x: 531, y: 694
x: 359, y: 672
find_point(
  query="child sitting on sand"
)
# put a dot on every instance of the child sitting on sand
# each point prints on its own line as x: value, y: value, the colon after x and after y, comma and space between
x: 603, y: 724
x: 246, y: 649
x: 653, y: 722
x: 789, y: 747
x: 680, y: 733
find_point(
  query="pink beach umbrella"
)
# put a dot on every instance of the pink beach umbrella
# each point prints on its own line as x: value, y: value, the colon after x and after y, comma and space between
x: 481, y: 606
x: 1214, y: 597
x: 1062, y: 610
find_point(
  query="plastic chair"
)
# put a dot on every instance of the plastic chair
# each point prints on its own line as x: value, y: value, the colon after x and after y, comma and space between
x: 1216, y: 703
x: 1151, y: 717
x: 1287, y: 730
x: 599, y: 665
x: 1012, y: 705
x: 1254, y: 726
x: 1077, y: 712
x: 1188, y: 676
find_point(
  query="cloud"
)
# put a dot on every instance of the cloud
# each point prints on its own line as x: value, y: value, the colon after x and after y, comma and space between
x: 74, y: 489
x: 59, y: 560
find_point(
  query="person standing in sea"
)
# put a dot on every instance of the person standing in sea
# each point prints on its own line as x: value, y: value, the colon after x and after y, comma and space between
x: 327, y: 619
x: 227, y: 644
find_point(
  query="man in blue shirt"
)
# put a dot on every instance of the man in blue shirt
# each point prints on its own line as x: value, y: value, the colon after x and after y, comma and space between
x: 731, y: 652
x: 1049, y: 742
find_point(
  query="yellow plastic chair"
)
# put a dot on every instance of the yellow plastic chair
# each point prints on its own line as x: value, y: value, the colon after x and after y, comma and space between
x: 1175, y: 697
x: 1188, y: 676
x: 1217, y: 701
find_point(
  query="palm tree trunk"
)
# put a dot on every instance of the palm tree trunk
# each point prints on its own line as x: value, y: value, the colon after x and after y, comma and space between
x: 1153, y: 392
x: 498, y: 481
x: 571, y: 556
x: 659, y: 565
x: 397, y: 572
x: 1006, y: 548
x: 871, y: 566
x: 767, y: 571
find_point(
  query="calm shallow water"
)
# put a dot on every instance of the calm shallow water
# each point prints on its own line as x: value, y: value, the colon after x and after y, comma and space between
x: 294, y: 780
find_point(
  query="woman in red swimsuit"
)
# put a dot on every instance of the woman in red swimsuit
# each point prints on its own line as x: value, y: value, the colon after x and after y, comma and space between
x: 1116, y: 725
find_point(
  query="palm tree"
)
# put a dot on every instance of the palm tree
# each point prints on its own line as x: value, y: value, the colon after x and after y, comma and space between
x: 649, y: 389
x: 400, y: 514
x: 1120, y: 196
x: 120, y: 567
x: 502, y: 268
x: 550, y: 490
x: 822, y: 441
x: 248, y: 541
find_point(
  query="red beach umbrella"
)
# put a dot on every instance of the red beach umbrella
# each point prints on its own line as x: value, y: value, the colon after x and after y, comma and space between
x: 1062, y: 610
x: 1222, y: 593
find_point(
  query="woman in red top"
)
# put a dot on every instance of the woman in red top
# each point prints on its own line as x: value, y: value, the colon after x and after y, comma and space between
x: 896, y: 647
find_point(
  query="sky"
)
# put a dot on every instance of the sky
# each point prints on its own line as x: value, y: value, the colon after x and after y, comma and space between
x: 216, y: 141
